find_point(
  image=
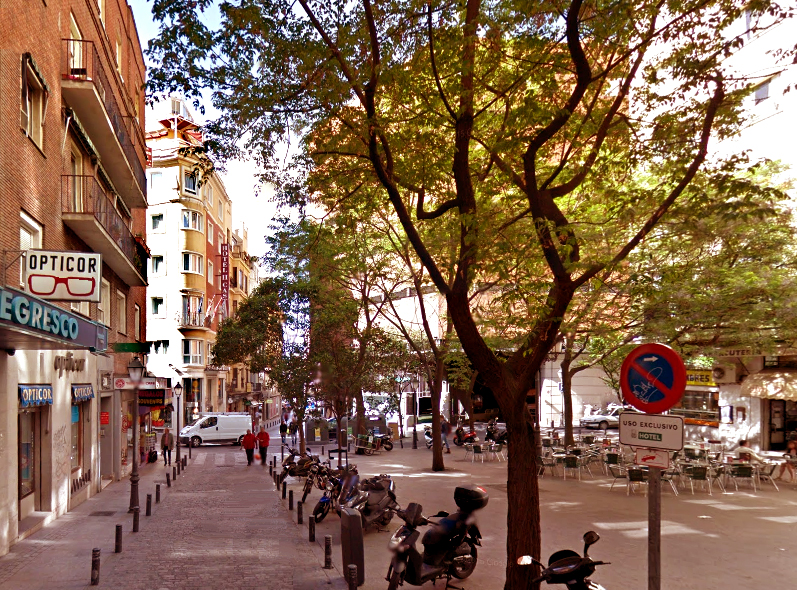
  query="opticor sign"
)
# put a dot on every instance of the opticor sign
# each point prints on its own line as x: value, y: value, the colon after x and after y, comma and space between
x: 63, y: 276
x: 652, y: 431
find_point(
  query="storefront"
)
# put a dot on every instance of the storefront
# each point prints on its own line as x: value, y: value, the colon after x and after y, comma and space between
x: 35, y: 402
x: 777, y: 390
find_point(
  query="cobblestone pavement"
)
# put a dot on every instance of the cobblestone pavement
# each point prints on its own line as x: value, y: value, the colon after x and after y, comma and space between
x: 220, y: 526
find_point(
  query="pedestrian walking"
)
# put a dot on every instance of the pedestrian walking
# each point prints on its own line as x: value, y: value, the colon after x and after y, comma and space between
x: 263, y: 440
x: 248, y: 443
x: 167, y: 444
x: 445, y: 429
x: 283, y: 430
x: 293, y: 430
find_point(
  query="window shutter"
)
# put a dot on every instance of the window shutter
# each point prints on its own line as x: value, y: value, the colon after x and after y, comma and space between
x: 24, y: 104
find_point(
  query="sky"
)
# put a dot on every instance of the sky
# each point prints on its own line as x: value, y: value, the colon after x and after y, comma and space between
x: 255, y: 212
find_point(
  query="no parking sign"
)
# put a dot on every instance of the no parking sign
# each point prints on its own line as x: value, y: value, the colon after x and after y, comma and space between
x: 653, y: 378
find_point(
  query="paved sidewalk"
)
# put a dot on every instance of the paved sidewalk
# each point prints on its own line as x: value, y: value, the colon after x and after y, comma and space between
x: 221, y: 525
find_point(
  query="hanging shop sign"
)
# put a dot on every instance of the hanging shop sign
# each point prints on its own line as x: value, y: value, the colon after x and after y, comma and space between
x: 225, y: 277
x: 82, y: 393
x: 63, y: 276
x: 146, y: 383
x: 699, y: 377
x: 31, y: 323
x: 152, y: 397
x: 35, y: 395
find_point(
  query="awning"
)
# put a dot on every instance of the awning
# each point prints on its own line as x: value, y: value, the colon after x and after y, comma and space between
x: 82, y: 393
x: 771, y: 384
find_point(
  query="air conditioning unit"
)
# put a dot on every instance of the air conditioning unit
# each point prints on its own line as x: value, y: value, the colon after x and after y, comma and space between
x: 725, y: 373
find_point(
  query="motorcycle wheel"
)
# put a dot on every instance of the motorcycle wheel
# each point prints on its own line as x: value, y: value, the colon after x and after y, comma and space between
x: 458, y: 442
x: 460, y: 572
x: 428, y: 444
x: 388, y: 446
x: 385, y: 519
x: 308, y: 486
x: 320, y: 511
x: 394, y: 581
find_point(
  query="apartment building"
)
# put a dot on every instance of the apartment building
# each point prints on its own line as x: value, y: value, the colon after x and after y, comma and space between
x: 191, y: 269
x: 72, y: 196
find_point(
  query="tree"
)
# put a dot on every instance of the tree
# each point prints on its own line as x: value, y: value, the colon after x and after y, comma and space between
x: 514, y: 122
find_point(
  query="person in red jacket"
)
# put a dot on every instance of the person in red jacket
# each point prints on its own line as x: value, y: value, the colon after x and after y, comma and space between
x: 248, y: 443
x: 263, y: 440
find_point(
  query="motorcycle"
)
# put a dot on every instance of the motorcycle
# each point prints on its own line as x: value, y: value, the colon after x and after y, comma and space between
x: 568, y: 567
x: 338, y: 489
x: 495, y: 435
x: 462, y: 438
x: 294, y: 468
x: 316, y: 476
x: 375, y: 501
x: 449, y: 547
x: 386, y: 441
x: 427, y: 433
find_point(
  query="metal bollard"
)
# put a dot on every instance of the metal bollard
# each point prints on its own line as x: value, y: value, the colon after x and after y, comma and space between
x: 311, y: 528
x: 174, y: 473
x: 157, y: 493
x: 290, y: 500
x: 299, y: 513
x: 323, y: 450
x: 327, y: 552
x: 179, y: 467
x: 270, y: 469
x: 185, y: 461
x: 95, y: 567
x: 351, y: 576
x: 118, y: 547
x: 136, y: 512
x: 189, y: 452
x: 149, y: 505
x: 168, y: 479
x: 284, y: 489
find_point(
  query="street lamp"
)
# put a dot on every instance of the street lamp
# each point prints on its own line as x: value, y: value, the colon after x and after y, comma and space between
x: 136, y: 371
x: 178, y: 390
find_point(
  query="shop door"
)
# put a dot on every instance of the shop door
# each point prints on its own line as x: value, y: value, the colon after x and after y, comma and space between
x: 777, y: 424
x: 29, y: 462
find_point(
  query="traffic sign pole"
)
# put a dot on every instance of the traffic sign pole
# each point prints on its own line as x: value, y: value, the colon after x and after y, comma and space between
x: 654, y: 529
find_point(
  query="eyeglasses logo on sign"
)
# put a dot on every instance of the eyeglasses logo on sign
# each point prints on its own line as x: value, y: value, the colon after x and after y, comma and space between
x: 63, y: 276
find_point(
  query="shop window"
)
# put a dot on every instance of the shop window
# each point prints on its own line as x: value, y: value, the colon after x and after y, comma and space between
x: 27, y: 454
x: 698, y: 407
x: 77, y: 437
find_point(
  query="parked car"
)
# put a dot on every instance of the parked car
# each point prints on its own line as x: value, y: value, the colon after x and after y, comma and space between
x: 604, y: 420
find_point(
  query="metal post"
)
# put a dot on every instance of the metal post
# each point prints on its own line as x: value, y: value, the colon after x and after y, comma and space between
x: 168, y: 480
x: 323, y: 450
x: 311, y: 528
x: 270, y: 469
x: 185, y: 459
x: 190, y: 446
x: 351, y: 576
x: 178, y: 428
x: 327, y: 552
x: 134, y: 473
x: 158, y: 493
x: 95, y: 567
x: 118, y: 547
x: 290, y: 500
x: 299, y: 514
x: 174, y: 473
x: 284, y: 489
x: 149, y: 505
x: 179, y: 468
x: 654, y: 529
x: 415, y: 424
x: 136, y: 513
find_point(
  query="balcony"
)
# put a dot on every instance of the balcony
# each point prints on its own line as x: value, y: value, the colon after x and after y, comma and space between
x: 89, y: 212
x: 195, y: 321
x: 85, y: 87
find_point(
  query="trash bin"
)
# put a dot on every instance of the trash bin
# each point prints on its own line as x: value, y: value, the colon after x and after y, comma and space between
x: 351, y: 542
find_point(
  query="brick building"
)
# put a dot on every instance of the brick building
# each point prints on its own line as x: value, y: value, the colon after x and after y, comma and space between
x: 72, y: 178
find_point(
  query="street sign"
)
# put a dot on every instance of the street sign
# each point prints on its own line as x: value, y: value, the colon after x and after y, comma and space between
x: 653, y: 378
x: 652, y: 431
x: 653, y: 458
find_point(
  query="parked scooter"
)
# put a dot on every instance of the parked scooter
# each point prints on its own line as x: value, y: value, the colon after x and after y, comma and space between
x: 297, y: 464
x: 375, y: 501
x: 449, y: 547
x: 463, y: 438
x: 386, y: 441
x: 427, y: 434
x: 495, y: 435
x: 568, y: 567
x: 338, y: 489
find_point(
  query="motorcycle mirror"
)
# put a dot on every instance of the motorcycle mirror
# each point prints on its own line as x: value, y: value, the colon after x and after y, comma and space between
x: 441, y: 514
x: 590, y: 538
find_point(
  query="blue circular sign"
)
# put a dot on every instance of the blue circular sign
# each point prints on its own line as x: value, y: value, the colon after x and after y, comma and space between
x: 653, y: 378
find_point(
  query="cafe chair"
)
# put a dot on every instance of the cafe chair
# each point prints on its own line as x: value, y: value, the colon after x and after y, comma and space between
x: 744, y: 471
x: 547, y: 462
x: 616, y: 472
x: 572, y: 462
x: 767, y: 473
x: 636, y: 477
x: 699, y: 474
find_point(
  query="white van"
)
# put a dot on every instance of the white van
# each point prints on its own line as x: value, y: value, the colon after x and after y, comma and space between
x: 216, y: 427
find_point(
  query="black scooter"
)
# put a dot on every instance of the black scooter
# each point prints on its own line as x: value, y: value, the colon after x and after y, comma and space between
x: 297, y: 468
x: 338, y: 489
x: 568, y: 567
x: 375, y: 501
x: 449, y: 547
x: 495, y: 435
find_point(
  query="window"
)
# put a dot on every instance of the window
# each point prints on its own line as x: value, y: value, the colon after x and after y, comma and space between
x: 137, y: 322
x: 155, y: 179
x: 30, y: 236
x: 189, y: 183
x: 210, y: 272
x: 119, y: 56
x: 157, y: 223
x: 210, y: 232
x: 121, y: 312
x: 175, y: 106
x: 698, y: 406
x: 104, y: 306
x: 101, y: 10
x: 192, y: 263
x: 210, y: 422
x: 34, y: 102
x: 209, y: 195
x: 77, y: 435
x: 221, y: 210
x: 221, y: 241
x: 192, y: 352
x: 191, y: 220
x: 158, y: 267
x: 81, y: 307
x: 158, y: 308
x: 762, y: 92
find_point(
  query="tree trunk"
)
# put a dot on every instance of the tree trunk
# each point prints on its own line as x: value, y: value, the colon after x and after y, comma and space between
x: 437, y: 438
x: 358, y: 396
x: 567, y: 393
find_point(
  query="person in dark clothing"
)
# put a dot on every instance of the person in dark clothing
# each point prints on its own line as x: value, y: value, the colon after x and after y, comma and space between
x: 167, y: 444
x: 248, y: 443
x: 283, y: 431
x: 294, y: 429
x: 263, y: 440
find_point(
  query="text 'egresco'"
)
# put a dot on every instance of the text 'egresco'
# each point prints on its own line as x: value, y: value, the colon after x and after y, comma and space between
x: 26, y: 313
